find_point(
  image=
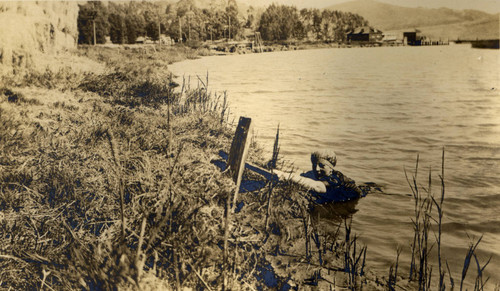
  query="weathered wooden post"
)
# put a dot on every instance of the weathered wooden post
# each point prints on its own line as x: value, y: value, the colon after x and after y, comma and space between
x: 236, y: 164
x: 238, y: 153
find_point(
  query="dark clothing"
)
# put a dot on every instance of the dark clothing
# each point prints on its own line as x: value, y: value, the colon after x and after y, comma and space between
x: 339, y: 188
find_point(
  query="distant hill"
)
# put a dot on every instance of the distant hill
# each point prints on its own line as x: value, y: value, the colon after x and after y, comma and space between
x: 436, y: 23
x: 486, y: 28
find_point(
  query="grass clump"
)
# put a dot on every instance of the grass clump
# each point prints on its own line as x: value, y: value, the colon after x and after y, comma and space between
x: 76, y: 197
x: 97, y: 195
x: 17, y: 97
x: 426, y: 223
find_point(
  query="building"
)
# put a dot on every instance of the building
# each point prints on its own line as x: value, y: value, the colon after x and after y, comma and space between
x: 364, y: 34
x: 412, y: 37
x: 393, y: 38
x: 140, y: 39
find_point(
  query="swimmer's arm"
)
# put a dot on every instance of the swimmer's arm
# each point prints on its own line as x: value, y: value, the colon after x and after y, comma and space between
x: 310, y: 184
x: 316, y: 186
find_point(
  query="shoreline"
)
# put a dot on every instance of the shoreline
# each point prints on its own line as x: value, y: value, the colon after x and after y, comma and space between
x: 84, y: 135
x: 156, y: 154
x: 458, y: 255
x: 234, y: 47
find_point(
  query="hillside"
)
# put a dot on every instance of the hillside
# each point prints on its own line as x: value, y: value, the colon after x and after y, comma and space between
x: 487, y: 28
x: 441, y: 23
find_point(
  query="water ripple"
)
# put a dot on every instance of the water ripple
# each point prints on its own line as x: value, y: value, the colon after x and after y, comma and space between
x: 379, y: 108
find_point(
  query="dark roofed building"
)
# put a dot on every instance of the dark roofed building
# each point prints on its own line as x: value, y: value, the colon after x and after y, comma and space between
x: 365, y: 34
x: 411, y: 37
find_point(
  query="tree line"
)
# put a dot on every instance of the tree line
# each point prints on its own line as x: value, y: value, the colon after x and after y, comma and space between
x: 124, y: 22
x: 183, y: 21
x: 281, y: 22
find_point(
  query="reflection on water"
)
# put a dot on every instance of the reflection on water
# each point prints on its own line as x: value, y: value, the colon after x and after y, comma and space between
x: 378, y: 108
x: 334, y: 212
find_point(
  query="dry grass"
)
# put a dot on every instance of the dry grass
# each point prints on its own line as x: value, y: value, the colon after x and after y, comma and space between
x: 67, y: 158
x: 62, y: 175
x: 107, y: 181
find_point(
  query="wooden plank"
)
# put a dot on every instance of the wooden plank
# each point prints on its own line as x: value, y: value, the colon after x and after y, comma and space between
x: 239, y: 149
x: 236, y: 164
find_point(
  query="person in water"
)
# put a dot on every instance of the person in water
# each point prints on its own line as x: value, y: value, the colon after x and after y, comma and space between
x: 338, y: 186
x: 326, y: 183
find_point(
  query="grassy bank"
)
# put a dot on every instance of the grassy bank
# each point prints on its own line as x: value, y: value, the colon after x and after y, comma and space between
x: 108, y: 180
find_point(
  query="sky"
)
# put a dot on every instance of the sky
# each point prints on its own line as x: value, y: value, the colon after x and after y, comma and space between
x: 490, y: 6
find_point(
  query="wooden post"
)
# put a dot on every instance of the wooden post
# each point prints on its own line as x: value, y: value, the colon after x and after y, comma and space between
x: 236, y: 162
x: 238, y: 152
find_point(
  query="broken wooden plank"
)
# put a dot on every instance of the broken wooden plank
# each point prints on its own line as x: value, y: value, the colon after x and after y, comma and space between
x: 236, y: 164
x: 239, y: 150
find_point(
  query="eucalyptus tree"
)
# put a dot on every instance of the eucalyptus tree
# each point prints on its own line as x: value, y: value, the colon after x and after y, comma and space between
x: 92, y: 23
x: 280, y: 22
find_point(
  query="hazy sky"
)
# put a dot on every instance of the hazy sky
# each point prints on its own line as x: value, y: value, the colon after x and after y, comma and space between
x: 490, y: 6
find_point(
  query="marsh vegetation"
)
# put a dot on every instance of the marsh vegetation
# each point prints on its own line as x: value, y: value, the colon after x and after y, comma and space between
x: 108, y: 180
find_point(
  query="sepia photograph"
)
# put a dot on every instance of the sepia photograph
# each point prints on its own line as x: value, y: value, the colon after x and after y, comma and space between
x: 250, y: 145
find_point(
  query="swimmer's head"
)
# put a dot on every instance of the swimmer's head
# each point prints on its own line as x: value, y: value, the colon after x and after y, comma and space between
x: 323, y: 162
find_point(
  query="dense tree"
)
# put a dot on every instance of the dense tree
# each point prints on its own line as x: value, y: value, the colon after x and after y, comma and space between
x: 311, y: 20
x: 232, y: 16
x: 281, y: 22
x: 117, y: 28
x: 117, y: 23
x: 135, y: 20
x: 173, y: 22
x: 91, y: 13
x: 133, y: 27
x: 125, y: 21
x: 250, y: 21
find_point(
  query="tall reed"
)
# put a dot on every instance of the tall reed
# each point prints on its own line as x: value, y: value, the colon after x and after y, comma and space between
x: 420, y: 266
x: 274, y: 158
x: 471, y: 254
x: 354, y: 262
x: 420, y: 250
x: 393, y: 272
x: 439, y: 207
x: 118, y: 168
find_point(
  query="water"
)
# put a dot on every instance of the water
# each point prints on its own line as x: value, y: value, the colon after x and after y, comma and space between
x: 378, y: 108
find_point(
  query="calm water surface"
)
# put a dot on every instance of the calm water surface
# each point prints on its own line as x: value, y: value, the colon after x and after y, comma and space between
x: 378, y: 108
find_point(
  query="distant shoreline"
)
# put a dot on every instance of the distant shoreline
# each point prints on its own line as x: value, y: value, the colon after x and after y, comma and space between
x: 233, y: 48
x: 483, y: 44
